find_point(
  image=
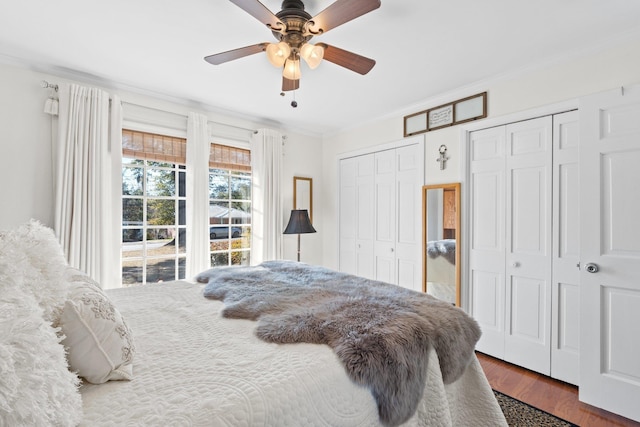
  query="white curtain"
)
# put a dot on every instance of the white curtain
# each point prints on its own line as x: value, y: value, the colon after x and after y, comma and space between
x: 198, y: 147
x: 86, y: 203
x: 266, y: 216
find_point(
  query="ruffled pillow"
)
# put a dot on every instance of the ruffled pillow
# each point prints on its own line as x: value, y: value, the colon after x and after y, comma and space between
x: 34, y: 251
x: 36, y: 386
x: 99, y: 343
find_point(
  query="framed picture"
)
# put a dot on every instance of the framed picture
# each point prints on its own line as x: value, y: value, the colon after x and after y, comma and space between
x: 415, y: 123
x: 456, y: 112
x: 303, y: 194
x: 471, y: 108
x: 440, y: 117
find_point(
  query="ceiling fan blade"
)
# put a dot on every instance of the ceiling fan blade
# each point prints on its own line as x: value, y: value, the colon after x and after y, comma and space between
x: 346, y: 59
x: 230, y: 55
x: 261, y: 13
x: 338, y: 13
x: 288, y: 84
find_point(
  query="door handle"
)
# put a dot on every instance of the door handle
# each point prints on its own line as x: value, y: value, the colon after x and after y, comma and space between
x: 591, y: 268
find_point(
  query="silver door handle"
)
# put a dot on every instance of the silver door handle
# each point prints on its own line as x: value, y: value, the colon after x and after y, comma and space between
x: 515, y: 264
x: 591, y: 268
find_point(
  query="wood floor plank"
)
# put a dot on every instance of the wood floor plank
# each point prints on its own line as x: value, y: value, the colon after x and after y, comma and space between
x: 550, y: 395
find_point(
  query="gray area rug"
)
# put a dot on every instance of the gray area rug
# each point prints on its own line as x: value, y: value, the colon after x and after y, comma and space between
x: 520, y: 414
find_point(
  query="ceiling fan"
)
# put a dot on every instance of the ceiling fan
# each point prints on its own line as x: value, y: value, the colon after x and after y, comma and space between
x: 293, y: 28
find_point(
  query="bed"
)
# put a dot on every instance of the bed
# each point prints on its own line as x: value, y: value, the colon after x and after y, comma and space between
x: 180, y: 361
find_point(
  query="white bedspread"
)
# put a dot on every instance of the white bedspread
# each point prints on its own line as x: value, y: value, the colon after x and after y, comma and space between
x: 194, y: 368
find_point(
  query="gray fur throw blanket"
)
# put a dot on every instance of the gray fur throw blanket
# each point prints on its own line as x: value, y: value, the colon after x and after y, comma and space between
x: 445, y: 248
x: 381, y: 332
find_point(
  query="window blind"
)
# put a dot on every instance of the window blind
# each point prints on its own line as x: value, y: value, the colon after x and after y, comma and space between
x: 162, y: 148
x: 150, y: 146
x: 225, y: 157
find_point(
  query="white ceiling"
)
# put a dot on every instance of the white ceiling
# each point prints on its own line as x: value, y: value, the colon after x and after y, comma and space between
x: 423, y: 48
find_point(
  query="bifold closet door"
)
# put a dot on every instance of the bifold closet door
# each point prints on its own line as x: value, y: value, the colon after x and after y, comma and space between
x: 398, y: 182
x: 385, y: 216
x: 380, y: 213
x: 510, y: 248
x: 357, y: 216
x: 487, y: 239
x: 565, y: 299
x: 529, y: 157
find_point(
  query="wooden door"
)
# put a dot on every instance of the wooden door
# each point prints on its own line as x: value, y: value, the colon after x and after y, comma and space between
x: 610, y: 251
x: 565, y: 286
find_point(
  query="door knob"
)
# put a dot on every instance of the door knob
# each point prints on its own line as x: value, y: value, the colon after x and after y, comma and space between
x: 591, y: 268
x: 516, y: 264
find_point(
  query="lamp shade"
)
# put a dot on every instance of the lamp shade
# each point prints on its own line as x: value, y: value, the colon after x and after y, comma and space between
x: 277, y: 53
x: 312, y: 54
x: 299, y: 223
x: 291, y: 69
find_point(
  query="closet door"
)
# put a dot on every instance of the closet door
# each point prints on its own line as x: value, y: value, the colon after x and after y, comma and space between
x: 385, y: 216
x: 528, y: 244
x: 357, y: 215
x: 487, y: 240
x: 565, y: 320
x: 380, y: 213
x: 409, y: 179
x: 348, y: 215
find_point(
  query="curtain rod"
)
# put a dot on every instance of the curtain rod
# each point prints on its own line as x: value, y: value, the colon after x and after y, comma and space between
x: 46, y: 85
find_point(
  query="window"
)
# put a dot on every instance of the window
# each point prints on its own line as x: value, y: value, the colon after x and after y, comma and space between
x: 153, y: 208
x: 229, y: 205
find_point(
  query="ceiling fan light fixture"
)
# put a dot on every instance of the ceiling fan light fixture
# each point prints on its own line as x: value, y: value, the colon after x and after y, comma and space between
x: 291, y: 69
x: 277, y: 53
x: 312, y: 54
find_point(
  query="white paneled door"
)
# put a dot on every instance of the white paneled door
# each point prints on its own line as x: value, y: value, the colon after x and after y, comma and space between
x: 565, y: 286
x: 385, y: 216
x: 610, y: 251
x: 528, y: 244
x: 380, y: 212
x: 487, y: 242
x: 357, y: 215
x: 511, y: 240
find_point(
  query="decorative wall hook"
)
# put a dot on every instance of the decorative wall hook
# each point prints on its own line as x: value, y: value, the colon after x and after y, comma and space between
x: 443, y: 157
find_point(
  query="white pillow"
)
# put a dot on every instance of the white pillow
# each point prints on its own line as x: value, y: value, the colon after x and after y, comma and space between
x: 34, y: 250
x: 99, y: 343
x: 36, y: 386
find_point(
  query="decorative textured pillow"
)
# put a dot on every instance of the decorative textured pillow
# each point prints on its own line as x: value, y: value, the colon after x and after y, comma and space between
x: 99, y: 343
x: 36, y: 386
x: 34, y: 250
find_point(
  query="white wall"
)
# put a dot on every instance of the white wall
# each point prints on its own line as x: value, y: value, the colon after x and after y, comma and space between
x: 26, y: 148
x: 602, y: 68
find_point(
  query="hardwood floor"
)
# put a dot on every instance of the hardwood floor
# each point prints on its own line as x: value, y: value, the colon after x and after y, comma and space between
x: 555, y: 397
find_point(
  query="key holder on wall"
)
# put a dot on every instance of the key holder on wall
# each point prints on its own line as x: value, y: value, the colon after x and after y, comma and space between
x: 443, y: 157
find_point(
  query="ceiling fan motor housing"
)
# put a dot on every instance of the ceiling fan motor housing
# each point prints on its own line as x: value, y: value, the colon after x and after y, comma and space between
x: 294, y: 17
